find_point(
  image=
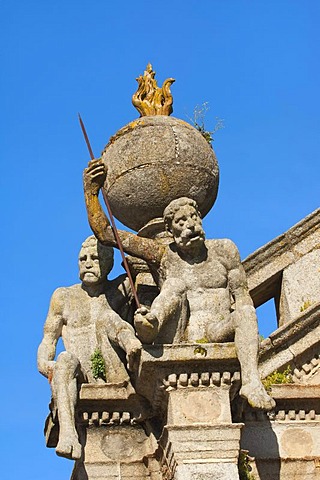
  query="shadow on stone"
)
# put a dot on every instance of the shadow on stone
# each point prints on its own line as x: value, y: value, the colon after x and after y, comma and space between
x: 261, y: 442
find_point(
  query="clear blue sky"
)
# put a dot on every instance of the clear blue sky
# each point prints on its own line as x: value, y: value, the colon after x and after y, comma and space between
x: 255, y: 62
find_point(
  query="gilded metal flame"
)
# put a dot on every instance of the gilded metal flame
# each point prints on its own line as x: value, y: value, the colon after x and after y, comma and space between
x: 150, y: 99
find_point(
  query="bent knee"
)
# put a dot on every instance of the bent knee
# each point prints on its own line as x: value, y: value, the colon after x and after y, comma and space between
x: 67, y: 360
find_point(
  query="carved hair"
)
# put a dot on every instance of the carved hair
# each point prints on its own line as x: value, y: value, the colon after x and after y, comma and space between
x: 174, y: 206
x: 105, y: 253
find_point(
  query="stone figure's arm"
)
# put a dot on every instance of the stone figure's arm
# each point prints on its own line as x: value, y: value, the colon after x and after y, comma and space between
x: 237, y: 277
x: 52, y: 333
x: 166, y: 307
x: 120, y: 297
x: 246, y: 335
x: 93, y: 179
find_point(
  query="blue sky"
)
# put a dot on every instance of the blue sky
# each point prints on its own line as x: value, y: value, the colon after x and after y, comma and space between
x: 255, y: 62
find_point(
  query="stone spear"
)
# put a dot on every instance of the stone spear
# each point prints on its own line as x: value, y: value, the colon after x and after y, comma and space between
x: 113, y: 225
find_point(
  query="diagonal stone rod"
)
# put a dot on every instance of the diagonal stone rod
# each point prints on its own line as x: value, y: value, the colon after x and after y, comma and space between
x: 113, y: 225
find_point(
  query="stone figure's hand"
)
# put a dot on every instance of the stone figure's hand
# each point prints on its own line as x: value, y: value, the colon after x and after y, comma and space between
x: 146, y: 325
x: 94, y: 176
x: 133, y: 349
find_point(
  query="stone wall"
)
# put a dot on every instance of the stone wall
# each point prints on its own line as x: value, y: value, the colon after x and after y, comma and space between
x: 285, y: 443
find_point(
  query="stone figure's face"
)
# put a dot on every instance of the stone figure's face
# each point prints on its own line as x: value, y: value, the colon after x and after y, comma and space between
x: 92, y: 269
x: 186, y: 227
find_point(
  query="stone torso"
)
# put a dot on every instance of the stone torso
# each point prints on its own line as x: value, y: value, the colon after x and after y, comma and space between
x: 80, y: 313
x: 206, y: 285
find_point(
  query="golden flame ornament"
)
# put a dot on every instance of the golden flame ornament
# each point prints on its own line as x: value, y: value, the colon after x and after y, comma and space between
x: 150, y: 99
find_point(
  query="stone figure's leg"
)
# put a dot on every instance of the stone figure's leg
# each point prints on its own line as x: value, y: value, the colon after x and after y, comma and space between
x: 170, y: 307
x: 115, y: 370
x: 126, y: 338
x: 65, y: 393
x: 222, y: 331
x: 247, y: 345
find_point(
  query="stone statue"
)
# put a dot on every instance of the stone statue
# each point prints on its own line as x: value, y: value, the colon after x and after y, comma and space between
x: 201, y: 281
x: 84, y: 315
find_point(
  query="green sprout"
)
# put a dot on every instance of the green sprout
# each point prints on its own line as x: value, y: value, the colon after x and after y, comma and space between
x: 244, y: 468
x: 278, y: 378
x: 305, y: 305
x: 98, y: 365
x: 199, y: 114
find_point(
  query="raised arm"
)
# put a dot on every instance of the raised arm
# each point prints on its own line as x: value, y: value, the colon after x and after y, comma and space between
x: 93, y: 179
x: 52, y: 333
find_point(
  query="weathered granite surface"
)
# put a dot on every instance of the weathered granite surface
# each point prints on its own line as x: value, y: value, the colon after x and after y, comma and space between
x: 194, y: 304
x: 188, y: 389
x: 300, y: 286
x: 189, y: 404
x: 83, y: 316
x: 292, y: 343
x: 285, y: 444
x: 154, y: 160
x: 287, y: 269
x: 185, y: 424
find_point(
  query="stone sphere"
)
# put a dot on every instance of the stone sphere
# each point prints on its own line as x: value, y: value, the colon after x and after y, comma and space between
x: 154, y: 160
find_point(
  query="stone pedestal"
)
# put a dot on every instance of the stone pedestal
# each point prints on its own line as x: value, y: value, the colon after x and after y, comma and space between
x: 113, y: 431
x: 199, y: 436
x: 192, y: 389
x: 113, y: 452
x: 202, y: 451
x: 175, y: 425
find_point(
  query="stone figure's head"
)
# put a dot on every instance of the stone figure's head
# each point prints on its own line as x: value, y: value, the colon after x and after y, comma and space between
x: 183, y: 220
x: 95, y: 261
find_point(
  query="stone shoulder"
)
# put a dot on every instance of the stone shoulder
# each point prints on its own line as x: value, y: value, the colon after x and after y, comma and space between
x: 226, y: 250
x: 60, y: 295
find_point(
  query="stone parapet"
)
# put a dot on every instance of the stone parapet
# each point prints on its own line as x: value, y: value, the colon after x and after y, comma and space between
x: 295, y: 343
x: 108, y: 403
x: 286, y: 269
x: 269, y: 260
x: 205, y: 365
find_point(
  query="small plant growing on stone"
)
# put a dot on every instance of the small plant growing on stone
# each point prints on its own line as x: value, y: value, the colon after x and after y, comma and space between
x: 305, y: 305
x: 199, y: 114
x: 200, y: 350
x: 243, y: 467
x: 98, y: 365
x: 278, y: 378
x: 202, y: 340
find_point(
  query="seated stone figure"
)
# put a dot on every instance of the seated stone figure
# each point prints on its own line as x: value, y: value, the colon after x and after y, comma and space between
x: 84, y: 316
x: 201, y: 281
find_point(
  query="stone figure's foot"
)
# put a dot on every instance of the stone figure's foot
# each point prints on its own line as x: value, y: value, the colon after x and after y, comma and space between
x: 256, y: 395
x: 69, y: 448
x: 133, y: 349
